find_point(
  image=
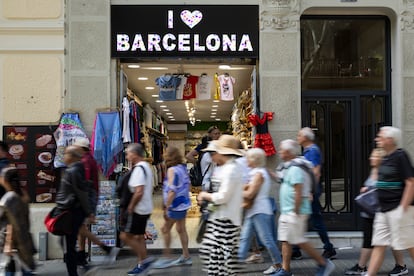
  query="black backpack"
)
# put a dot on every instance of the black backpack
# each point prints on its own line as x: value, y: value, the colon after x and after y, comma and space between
x: 122, y: 189
x: 196, y: 175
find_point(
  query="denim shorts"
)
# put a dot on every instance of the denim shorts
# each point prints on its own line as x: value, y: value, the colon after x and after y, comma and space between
x: 177, y: 215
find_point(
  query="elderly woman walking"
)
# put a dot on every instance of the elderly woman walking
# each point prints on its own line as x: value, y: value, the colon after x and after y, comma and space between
x: 259, y: 215
x: 219, y: 247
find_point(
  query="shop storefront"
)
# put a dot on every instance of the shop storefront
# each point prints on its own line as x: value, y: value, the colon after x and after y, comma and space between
x: 312, y: 64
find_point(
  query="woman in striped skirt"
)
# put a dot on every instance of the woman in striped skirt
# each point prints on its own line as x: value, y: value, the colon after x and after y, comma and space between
x: 219, y: 247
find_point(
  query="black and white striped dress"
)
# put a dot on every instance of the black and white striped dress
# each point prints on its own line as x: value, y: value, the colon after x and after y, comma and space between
x: 218, y: 251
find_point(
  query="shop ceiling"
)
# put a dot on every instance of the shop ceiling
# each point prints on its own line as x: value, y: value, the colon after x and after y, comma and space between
x: 142, y: 76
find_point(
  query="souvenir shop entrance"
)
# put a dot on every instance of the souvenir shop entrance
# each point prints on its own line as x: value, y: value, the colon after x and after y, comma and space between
x: 184, y: 70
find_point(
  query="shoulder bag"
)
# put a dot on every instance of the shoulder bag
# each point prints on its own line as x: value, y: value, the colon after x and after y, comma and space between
x: 368, y: 202
x: 59, y: 222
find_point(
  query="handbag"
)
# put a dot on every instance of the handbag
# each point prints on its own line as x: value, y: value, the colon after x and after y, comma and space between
x: 202, y: 225
x: 368, y: 202
x: 59, y: 222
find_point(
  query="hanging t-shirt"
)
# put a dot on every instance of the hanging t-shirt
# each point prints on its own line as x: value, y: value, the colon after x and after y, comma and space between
x: 226, y: 87
x: 204, y: 87
x: 217, y: 87
x: 190, y: 88
x: 180, y: 88
x: 168, y: 86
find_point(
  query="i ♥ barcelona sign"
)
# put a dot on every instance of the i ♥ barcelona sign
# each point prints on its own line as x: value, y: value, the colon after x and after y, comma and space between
x: 184, y: 31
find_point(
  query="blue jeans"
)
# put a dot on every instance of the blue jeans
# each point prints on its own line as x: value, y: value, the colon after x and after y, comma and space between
x: 261, y: 224
x: 316, y: 220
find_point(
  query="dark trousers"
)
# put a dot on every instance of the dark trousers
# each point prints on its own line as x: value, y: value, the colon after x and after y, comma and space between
x: 316, y: 220
x: 70, y: 242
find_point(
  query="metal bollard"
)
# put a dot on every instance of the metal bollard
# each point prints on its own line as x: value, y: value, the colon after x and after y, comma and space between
x: 43, y: 246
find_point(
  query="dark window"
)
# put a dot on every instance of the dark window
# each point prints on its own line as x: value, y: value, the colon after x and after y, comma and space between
x: 343, y: 53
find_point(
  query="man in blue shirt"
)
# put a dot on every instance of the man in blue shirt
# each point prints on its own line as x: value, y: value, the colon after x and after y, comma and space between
x: 312, y: 153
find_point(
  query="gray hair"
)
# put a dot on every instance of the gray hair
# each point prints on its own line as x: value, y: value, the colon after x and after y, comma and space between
x: 393, y: 133
x: 308, y: 133
x: 136, y: 148
x: 291, y: 146
x: 258, y: 156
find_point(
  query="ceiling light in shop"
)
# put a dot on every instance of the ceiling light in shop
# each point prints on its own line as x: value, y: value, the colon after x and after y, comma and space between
x: 213, y: 113
x: 214, y: 106
x: 218, y: 119
x: 154, y: 68
x: 159, y: 101
x: 213, y: 110
x: 149, y: 87
x: 155, y: 96
x: 198, y: 120
x: 133, y: 66
x: 163, y: 106
x: 142, y: 78
x: 212, y: 116
x: 172, y: 119
x: 224, y: 67
x: 166, y: 109
x: 216, y: 101
x: 169, y: 113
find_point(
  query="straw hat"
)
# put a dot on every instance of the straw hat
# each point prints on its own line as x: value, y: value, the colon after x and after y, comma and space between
x: 226, y: 145
x: 81, y: 142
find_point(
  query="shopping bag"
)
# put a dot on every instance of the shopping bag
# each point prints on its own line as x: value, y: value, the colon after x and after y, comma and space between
x: 59, y: 222
x: 368, y: 202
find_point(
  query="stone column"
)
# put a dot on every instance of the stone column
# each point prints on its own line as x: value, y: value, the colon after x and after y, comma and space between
x: 87, y: 60
x: 280, y: 69
x: 407, y: 73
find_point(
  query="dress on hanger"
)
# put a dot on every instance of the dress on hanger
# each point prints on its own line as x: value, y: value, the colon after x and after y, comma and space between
x: 263, y: 139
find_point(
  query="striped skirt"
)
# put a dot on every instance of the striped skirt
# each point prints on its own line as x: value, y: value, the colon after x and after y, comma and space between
x: 218, y: 251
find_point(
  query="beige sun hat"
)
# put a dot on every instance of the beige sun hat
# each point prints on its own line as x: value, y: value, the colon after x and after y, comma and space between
x: 226, y: 145
x: 82, y: 142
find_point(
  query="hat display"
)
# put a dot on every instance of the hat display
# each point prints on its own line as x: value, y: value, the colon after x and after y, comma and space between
x: 81, y: 142
x: 226, y: 145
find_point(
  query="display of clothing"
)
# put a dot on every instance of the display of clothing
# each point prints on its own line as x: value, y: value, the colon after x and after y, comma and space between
x: 70, y: 128
x: 180, y: 88
x: 106, y: 142
x: 263, y: 139
x: 204, y: 87
x: 190, y: 88
x: 168, y: 86
x: 226, y: 87
x: 126, y: 130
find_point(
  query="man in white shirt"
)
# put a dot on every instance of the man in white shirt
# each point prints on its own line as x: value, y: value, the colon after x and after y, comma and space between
x: 139, y: 208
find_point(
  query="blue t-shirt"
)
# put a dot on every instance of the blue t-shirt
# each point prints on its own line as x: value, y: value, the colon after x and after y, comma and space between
x: 181, y: 188
x: 292, y: 177
x: 168, y: 87
x: 313, y: 154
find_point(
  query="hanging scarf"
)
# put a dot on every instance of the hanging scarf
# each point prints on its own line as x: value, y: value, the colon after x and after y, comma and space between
x: 106, y: 142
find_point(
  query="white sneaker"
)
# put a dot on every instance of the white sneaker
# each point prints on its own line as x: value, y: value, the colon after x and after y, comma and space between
x: 255, y: 259
x: 272, y: 269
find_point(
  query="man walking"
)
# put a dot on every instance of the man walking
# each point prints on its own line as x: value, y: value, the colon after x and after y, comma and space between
x: 139, y: 208
x: 312, y: 153
x: 295, y: 208
x: 73, y: 195
x: 92, y: 179
x: 394, y: 223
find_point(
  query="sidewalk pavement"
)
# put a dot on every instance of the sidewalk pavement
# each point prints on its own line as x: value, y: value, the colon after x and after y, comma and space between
x: 345, y: 258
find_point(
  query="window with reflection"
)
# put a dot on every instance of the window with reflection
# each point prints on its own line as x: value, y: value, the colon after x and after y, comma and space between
x: 343, y: 53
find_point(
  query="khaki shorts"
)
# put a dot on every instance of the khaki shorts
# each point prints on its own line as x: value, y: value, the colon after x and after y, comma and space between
x: 292, y: 228
x: 394, y: 228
